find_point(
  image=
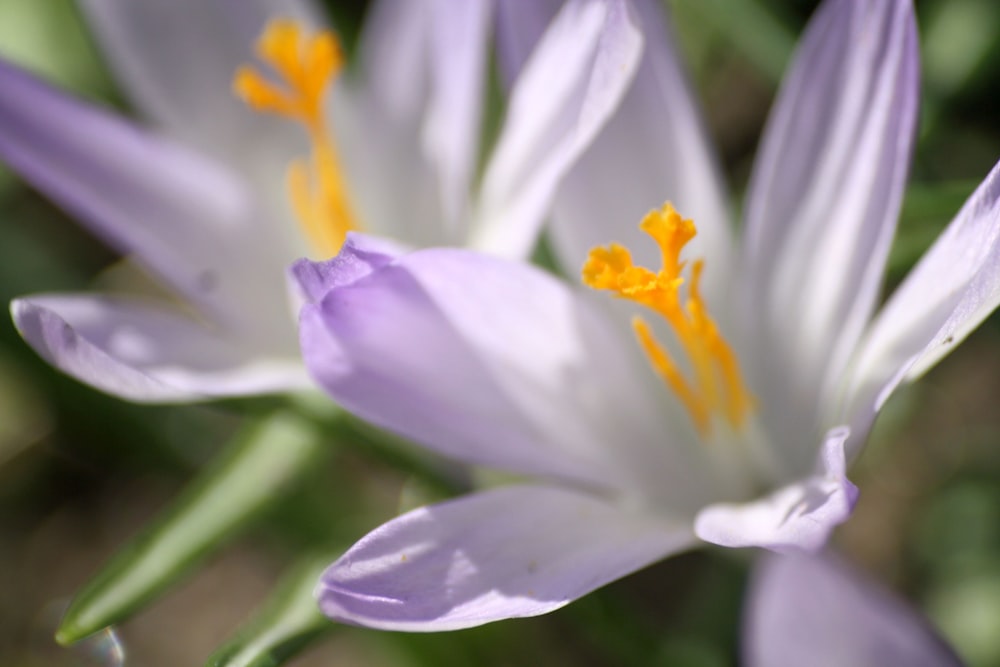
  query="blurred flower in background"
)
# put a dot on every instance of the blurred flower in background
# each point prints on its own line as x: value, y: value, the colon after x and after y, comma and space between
x: 199, y: 200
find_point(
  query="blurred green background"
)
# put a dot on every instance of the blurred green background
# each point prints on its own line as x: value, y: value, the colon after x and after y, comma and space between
x: 81, y: 472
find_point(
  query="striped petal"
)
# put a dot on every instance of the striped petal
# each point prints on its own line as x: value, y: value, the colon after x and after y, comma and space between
x: 823, y: 203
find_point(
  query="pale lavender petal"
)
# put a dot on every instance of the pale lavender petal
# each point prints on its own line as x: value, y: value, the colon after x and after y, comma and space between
x: 564, y: 95
x: 500, y: 364
x: 176, y: 60
x: 798, y: 516
x: 824, y: 199
x: 817, y: 611
x: 654, y: 149
x: 147, y: 353
x: 505, y: 553
x: 953, y: 288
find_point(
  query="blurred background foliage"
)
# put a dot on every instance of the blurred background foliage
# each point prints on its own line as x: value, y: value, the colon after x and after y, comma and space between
x: 81, y: 473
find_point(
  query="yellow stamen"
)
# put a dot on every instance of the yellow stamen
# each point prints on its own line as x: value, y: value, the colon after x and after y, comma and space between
x: 306, y: 64
x: 717, y: 385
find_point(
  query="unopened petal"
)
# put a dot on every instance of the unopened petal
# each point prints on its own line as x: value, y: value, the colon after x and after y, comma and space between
x: 505, y: 553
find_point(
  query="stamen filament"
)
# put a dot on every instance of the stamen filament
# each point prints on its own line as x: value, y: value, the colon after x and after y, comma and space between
x: 306, y: 64
x: 718, y: 384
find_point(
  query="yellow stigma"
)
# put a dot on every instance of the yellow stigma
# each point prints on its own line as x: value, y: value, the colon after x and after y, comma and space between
x: 306, y: 64
x: 717, y: 386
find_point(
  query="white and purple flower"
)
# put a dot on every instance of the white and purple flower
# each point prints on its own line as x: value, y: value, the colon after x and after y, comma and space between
x: 752, y: 386
x: 197, y: 197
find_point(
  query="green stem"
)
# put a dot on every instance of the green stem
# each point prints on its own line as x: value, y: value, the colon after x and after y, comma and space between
x: 248, y: 478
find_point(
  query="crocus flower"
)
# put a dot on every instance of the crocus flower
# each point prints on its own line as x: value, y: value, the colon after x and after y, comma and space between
x: 196, y: 197
x: 817, y: 610
x: 715, y: 398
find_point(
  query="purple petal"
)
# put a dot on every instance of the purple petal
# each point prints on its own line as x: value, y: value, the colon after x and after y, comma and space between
x: 505, y: 553
x: 496, y: 363
x: 653, y: 149
x: 143, y: 195
x: 953, y: 288
x: 798, y: 516
x: 816, y: 610
x: 177, y: 59
x: 824, y: 199
x: 146, y: 354
x: 564, y: 95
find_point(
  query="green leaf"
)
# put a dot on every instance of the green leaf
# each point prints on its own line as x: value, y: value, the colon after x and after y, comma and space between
x: 248, y: 478
x: 289, y: 622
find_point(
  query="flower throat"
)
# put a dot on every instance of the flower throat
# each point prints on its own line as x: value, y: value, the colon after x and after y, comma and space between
x: 305, y: 64
x: 717, y: 387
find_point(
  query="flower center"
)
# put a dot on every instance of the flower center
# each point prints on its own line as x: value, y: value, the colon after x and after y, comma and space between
x: 717, y: 386
x: 305, y: 64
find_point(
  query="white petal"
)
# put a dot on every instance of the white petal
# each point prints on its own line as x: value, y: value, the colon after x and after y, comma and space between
x: 506, y: 553
x: 799, y: 516
x: 824, y: 199
x: 145, y: 353
x: 423, y: 78
x: 571, y: 85
x: 452, y: 127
